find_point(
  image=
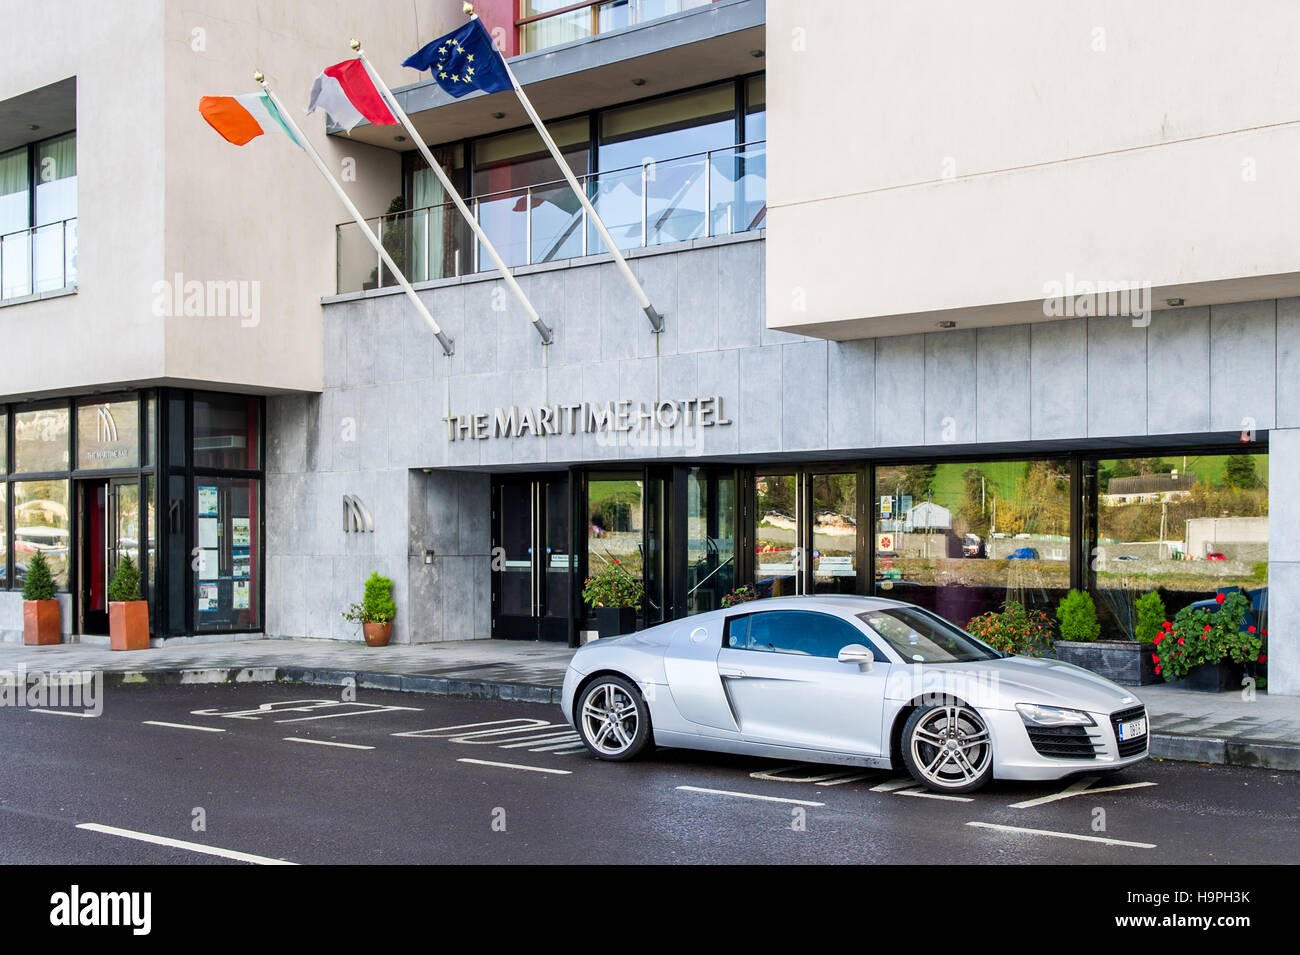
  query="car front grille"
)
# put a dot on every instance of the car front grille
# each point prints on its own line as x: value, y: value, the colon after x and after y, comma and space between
x: 1062, y: 742
x: 1138, y: 744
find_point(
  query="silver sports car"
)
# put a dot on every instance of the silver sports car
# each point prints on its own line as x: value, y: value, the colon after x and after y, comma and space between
x: 858, y: 681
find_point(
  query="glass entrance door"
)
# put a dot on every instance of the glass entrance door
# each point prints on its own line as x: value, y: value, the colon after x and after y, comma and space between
x: 532, y: 559
x: 108, y: 515
x: 806, y: 536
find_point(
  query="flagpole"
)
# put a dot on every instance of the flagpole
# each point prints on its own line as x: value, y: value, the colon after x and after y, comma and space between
x: 542, y: 328
x: 656, y: 319
x: 448, y: 346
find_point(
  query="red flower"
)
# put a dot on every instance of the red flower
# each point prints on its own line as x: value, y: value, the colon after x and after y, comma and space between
x: 1207, y: 628
x: 1157, y: 668
x: 1159, y: 637
x: 1155, y: 658
x: 1180, y: 641
x: 1250, y: 629
x: 1219, y: 598
x: 1263, y: 658
x: 1205, y: 636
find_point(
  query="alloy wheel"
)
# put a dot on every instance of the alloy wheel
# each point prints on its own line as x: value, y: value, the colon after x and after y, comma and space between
x: 610, y: 719
x: 950, y: 747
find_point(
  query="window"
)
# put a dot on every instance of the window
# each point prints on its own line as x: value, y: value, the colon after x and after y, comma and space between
x: 41, y: 440
x: 38, y: 217
x: 920, y: 637
x: 547, y: 23
x: 798, y: 631
x: 226, y: 430
x: 108, y: 433
x: 228, y: 533
x: 41, y: 523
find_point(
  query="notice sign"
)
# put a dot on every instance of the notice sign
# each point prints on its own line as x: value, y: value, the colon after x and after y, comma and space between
x: 886, y: 506
x: 885, y: 543
x: 207, y: 501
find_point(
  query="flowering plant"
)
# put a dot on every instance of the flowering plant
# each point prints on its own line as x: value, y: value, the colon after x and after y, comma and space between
x: 612, y: 586
x: 739, y: 596
x: 1013, y: 629
x: 1197, y: 635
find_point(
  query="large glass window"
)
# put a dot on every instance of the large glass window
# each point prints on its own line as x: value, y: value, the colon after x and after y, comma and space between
x: 776, y: 535
x: 439, y: 238
x: 1182, y: 525
x: 710, y: 538
x: 653, y: 181
x: 15, y: 217
x: 54, y: 243
x: 41, y: 523
x: 537, y: 225
x: 108, y: 433
x: 835, y: 533
x: 615, y: 523
x: 960, y: 538
x: 226, y: 430
x: 41, y: 440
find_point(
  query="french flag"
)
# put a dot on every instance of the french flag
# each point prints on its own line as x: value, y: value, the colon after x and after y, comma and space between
x: 346, y: 92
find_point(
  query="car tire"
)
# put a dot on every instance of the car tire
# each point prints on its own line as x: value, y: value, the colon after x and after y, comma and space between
x: 612, y: 718
x: 948, y: 748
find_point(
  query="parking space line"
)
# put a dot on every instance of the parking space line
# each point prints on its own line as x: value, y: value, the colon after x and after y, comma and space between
x: 184, y: 726
x: 181, y: 844
x: 924, y: 794
x: 324, y: 742
x: 1063, y: 835
x: 557, y: 747
x: 80, y: 713
x: 728, y: 792
x: 531, y: 769
x: 1077, y: 790
x: 891, y: 785
x: 847, y: 779
x: 568, y: 737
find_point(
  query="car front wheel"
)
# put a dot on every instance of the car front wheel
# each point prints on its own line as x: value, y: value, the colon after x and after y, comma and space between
x: 947, y: 748
x: 613, y: 719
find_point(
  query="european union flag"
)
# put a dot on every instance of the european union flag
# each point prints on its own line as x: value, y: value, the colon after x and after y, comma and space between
x: 463, y: 61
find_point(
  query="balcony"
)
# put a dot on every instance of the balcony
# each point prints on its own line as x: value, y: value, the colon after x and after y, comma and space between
x: 549, y: 23
x: 714, y: 193
x: 38, y: 260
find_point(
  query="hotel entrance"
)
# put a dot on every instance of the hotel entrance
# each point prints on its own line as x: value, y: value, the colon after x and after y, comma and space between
x: 108, y: 524
x: 532, y: 558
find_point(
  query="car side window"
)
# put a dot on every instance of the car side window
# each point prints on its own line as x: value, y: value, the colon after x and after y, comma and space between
x: 737, y: 632
x: 805, y: 633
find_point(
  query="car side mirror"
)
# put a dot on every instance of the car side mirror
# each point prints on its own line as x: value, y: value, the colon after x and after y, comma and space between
x: 857, y: 653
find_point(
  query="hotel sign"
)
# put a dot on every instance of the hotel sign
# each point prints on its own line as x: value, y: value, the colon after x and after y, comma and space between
x: 610, y: 418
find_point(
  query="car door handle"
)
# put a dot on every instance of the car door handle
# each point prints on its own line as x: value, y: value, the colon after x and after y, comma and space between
x: 731, y: 671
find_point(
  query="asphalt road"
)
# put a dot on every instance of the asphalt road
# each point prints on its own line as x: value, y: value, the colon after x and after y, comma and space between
x: 263, y: 770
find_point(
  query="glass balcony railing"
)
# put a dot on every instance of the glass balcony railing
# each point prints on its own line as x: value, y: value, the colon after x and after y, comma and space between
x: 548, y: 23
x: 720, y: 192
x: 40, y: 259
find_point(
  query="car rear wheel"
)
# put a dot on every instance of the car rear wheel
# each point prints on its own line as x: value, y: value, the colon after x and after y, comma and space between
x: 947, y: 748
x: 613, y: 719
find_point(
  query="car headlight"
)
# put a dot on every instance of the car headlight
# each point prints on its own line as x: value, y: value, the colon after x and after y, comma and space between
x: 1035, y: 715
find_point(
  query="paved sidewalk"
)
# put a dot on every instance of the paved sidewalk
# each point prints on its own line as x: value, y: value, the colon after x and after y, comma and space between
x: 1218, y: 728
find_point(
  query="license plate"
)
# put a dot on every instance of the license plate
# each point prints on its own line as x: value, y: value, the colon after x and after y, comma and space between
x: 1133, y: 729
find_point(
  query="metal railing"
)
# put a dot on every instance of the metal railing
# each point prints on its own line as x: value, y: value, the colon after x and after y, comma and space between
x: 40, y: 259
x: 587, y: 18
x: 718, y: 192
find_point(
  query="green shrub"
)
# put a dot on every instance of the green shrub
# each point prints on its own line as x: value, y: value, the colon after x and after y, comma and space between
x: 1078, y: 617
x: 1197, y: 636
x: 612, y: 586
x: 377, y: 605
x: 739, y: 596
x: 39, y: 584
x: 125, y: 585
x: 1150, y: 616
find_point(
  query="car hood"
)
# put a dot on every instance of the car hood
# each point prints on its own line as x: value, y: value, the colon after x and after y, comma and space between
x: 1002, y: 683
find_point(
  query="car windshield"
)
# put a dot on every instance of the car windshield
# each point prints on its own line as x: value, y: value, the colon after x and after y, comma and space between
x: 920, y: 637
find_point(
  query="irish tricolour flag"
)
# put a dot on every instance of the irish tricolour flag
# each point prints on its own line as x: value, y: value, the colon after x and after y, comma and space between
x: 346, y: 92
x: 242, y: 118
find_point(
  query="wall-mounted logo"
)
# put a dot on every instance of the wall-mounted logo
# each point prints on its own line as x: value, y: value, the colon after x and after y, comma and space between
x: 356, y: 518
x: 105, y: 425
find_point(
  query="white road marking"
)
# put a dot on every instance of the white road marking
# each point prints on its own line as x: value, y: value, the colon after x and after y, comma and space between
x: 728, y: 792
x: 531, y: 769
x: 324, y: 742
x: 304, y: 706
x: 66, y: 713
x: 568, y: 737
x: 1078, y: 789
x: 820, y: 776
x: 891, y: 785
x: 181, y: 844
x: 852, y: 777
x: 926, y: 794
x: 185, y: 726
x: 1064, y: 835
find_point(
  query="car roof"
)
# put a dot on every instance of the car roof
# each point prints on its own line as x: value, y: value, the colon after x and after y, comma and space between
x: 844, y: 603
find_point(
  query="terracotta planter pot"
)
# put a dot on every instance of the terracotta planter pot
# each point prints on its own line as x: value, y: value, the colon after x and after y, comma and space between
x: 128, y: 625
x: 41, y: 623
x: 377, y: 634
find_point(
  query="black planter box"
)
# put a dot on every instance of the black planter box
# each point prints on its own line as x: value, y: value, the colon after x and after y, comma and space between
x: 615, y: 621
x: 1211, y: 677
x: 1120, y: 661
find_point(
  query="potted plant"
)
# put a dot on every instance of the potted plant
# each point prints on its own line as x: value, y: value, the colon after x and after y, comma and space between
x: 1202, y: 649
x: 616, y: 596
x: 376, y: 611
x: 1123, y: 661
x: 40, y: 607
x: 128, y: 614
x: 1013, y: 629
